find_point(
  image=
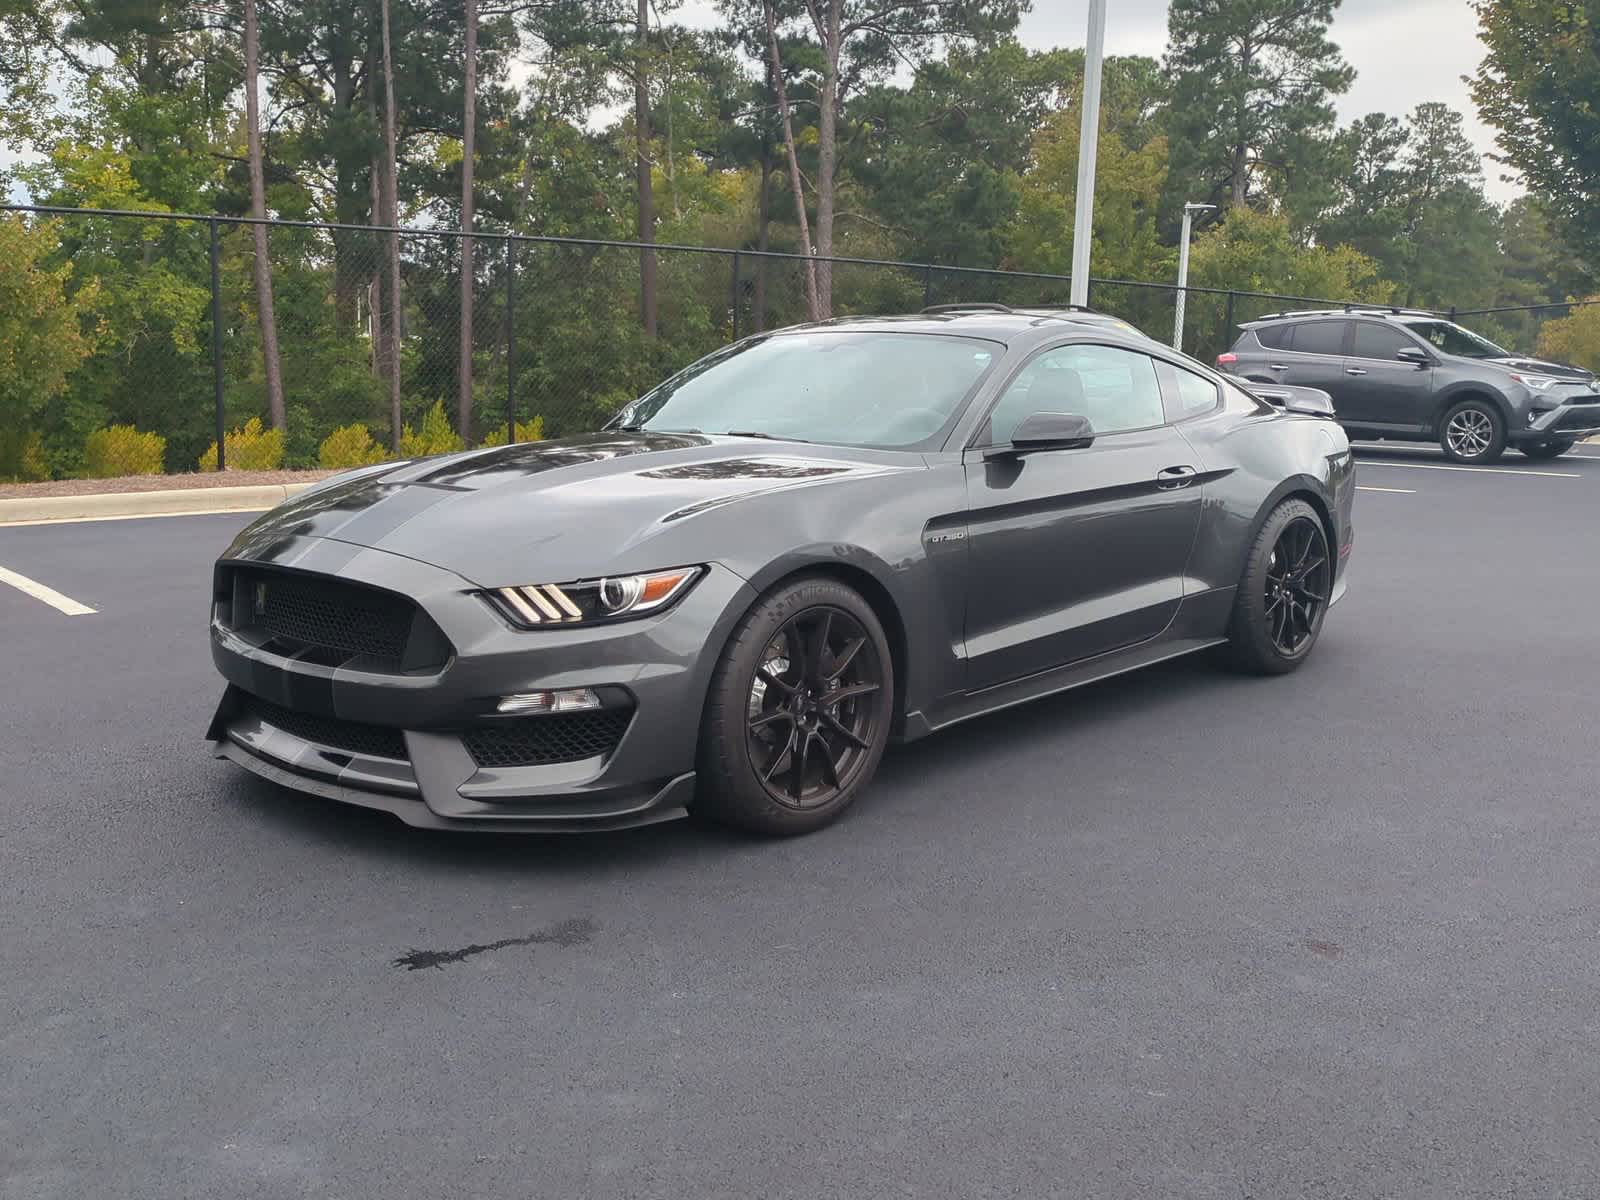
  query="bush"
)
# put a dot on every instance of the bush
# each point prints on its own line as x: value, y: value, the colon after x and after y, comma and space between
x: 527, y: 431
x: 250, y: 448
x: 22, y: 457
x: 435, y: 436
x: 349, y: 446
x: 1573, y: 339
x: 122, y: 450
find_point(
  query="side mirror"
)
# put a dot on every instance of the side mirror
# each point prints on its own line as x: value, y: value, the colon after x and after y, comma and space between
x: 1048, y: 431
x: 1415, y: 355
x: 1305, y: 401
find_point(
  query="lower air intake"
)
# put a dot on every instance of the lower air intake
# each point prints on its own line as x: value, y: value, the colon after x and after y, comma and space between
x: 353, y: 737
x: 542, y: 741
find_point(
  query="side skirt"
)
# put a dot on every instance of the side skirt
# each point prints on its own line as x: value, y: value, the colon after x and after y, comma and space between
x: 1048, y: 683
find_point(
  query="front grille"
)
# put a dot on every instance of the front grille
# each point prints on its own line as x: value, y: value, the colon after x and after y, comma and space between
x: 1585, y: 417
x: 541, y: 741
x: 376, y: 741
x: 317, y: 611
x: 323, y: 619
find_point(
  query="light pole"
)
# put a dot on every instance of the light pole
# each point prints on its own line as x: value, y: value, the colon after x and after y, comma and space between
x: 1189, y: 211
x: 1088, y: 146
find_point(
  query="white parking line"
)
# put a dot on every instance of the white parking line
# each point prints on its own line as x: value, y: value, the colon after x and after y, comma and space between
x: 1361, y: 487
x: 32, y: 587
x: 1406, y: 466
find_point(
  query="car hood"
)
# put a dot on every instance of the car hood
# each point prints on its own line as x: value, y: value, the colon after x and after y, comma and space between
x: 1536, y: 366
x: 559, y: 510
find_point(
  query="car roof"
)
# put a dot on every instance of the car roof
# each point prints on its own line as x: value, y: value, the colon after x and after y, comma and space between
x: 995, y: 322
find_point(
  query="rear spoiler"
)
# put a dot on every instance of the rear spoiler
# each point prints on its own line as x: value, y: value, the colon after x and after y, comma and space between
x: 1306, y: 401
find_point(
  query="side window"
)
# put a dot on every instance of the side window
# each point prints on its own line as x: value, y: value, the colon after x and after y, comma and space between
x: 1320, y: 337
x: 1274, y: 337
x: 1116, y: 389
x: 1379, y: 341
x: 1196, y: 394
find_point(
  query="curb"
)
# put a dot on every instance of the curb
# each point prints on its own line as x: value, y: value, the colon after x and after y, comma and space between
x: 29, y: 510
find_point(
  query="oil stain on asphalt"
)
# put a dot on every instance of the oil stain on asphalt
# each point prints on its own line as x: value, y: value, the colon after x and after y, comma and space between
x: 575, y: 931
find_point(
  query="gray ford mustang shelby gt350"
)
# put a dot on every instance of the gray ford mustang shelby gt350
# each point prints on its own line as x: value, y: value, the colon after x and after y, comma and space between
x: 812, y: 541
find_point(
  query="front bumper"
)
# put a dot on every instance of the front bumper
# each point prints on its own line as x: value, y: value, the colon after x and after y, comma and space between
x: 1576, y: 420
x: 657, y: 666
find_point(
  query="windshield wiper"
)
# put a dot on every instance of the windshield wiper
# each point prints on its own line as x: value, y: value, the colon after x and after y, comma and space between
x: 766, y: 437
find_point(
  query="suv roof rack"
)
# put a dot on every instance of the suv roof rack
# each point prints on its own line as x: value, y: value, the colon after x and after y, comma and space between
x: 1386, y: 310
x: 1356, y: 309
x: 1305, y: 312
x: 969, y: 306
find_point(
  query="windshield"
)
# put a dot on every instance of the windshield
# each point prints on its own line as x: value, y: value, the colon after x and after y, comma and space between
x: 886, y: 390
x: 1450, y: 338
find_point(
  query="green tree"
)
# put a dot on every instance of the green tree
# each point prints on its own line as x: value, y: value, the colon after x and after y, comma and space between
x: 1128, y: 184
x: 936, y: 165
x: 852, y: 44
x: 1537, y: 87
x: 1252, y: 89
x: 46, y: 330
x: 1574, y: 339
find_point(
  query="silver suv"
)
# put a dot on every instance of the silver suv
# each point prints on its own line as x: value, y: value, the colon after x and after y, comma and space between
x: 1413, y: 376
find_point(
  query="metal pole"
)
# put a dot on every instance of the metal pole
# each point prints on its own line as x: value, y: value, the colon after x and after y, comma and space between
x: 1183, y: 278
x: 511, y: 342
x: 216, y: 344
x: 927, y: 286
x: 1088, y: 147
x: 1183, y: 270
x: 1227, y: 324
x: 733, y: 295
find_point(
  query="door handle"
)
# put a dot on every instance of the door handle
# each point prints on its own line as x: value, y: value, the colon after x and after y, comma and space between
x: 1354, y: 371
x: 1175, y: 477
x: 1277, y: 366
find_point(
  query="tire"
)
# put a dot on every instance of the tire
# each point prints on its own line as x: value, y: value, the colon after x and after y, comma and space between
x: 778, y: 755
x: 1554, y: 448
x: 1257, y: 644
x: 1473, y: 432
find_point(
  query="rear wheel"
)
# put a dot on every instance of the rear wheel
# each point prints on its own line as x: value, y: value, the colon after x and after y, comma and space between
x: 1473, y: 432
x: 798, y: 713
x: 1554, y: 448
x: 1283, y: 593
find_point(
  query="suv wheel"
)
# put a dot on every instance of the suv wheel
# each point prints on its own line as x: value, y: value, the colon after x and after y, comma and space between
x: 1473, y: 432
x: 1554, y: 448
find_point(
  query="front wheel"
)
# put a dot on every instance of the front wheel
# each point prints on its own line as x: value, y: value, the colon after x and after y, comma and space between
x: 798, y: 713
x: 1473, y: 432
x: 1554, y: 448
x: 1283, y: 592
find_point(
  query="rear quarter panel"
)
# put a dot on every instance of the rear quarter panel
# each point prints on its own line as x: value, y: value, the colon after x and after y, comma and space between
x: 1253, y: 460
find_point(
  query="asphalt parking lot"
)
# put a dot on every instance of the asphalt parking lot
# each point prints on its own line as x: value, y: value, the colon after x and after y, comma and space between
x: 1177, y: 935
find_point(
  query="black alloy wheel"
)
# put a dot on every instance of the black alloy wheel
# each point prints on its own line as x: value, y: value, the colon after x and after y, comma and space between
x: 799, y: 710
x: 1299, y: 582
x: 811, y: 716
x: 1284, y: 592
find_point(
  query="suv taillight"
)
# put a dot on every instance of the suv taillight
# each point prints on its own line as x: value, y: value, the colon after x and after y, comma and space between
x: 1227, y: 360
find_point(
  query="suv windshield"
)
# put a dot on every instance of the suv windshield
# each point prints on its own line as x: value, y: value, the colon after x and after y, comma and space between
x: 886, y: 390
x: 1449, y: 338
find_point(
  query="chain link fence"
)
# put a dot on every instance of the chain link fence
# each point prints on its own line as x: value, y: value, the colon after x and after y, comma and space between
x: 559, y: 335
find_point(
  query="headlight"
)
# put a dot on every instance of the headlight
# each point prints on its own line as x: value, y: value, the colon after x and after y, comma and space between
x: 1538, y: 383
x: 592, y: 601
